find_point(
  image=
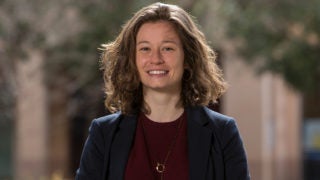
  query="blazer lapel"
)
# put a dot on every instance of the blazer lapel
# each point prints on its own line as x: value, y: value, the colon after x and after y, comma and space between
x: 199, y: 142
x: 121, y: 146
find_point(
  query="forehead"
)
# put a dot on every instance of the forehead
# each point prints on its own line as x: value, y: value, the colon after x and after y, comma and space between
x: 156, y: 29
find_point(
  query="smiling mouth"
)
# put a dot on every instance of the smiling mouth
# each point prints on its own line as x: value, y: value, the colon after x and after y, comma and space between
x: 157, y: 72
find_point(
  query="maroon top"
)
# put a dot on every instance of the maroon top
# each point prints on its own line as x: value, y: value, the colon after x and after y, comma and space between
x: 151, y: 144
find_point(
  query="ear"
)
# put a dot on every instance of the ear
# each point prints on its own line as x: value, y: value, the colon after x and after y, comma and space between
x: 187, y: 74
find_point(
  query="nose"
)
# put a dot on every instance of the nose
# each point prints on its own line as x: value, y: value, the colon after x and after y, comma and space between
x: 156, y: 57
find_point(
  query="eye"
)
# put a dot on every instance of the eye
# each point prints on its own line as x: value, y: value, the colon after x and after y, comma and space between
x: 144, y: 49
x: 167, y: 49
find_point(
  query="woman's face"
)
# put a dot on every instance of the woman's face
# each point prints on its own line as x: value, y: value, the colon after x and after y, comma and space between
x: 159, y: 57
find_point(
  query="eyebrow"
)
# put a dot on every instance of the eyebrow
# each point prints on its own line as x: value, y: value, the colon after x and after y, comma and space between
x: 141, y: 42
x: 166, y: 41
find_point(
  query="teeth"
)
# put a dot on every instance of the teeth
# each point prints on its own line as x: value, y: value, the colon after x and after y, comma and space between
x: 157, y: 72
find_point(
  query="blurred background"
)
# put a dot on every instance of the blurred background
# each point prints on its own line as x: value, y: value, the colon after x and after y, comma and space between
x: 51, y: 86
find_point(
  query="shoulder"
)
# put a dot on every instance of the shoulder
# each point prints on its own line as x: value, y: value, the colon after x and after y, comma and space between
x: 217, y: 120
x: 221, y: 125
x: 109, y: 124
x: 97, y: 145
x: 108, y: 119
x: 106, y: 123
x: 216, y: 117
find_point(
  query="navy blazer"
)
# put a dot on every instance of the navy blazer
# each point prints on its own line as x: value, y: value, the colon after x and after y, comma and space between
x: 215, y: 147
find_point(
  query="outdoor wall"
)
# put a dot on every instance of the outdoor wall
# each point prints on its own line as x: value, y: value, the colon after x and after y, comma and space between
x: 268, y: 114
x: 31, y: 125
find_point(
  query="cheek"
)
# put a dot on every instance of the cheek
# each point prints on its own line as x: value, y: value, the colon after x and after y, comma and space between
x: 139, y: 64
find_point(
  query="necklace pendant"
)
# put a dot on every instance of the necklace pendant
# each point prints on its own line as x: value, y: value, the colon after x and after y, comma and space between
x: 160, y: 167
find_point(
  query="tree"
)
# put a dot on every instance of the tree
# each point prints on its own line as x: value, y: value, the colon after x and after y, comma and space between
x: 279, y: 36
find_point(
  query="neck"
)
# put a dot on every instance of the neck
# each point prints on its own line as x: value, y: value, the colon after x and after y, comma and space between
x: 164, y: 107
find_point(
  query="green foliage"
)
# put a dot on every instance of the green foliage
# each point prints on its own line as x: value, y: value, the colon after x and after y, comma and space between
x: 78, y: 58
x: 68, y: 34
x: 281, y: 37
x: 75, y: 61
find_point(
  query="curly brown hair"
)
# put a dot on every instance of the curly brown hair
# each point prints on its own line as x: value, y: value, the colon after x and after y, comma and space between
x: 202, y: 81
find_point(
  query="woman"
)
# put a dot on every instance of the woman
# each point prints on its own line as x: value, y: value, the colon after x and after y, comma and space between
x: 159, y: 74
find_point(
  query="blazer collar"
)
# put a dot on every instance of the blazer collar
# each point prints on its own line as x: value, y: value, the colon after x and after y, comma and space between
x: 121, y: 146
x: 199, y: 142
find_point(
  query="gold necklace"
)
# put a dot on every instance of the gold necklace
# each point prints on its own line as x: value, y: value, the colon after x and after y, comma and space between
x: 160, y: 167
